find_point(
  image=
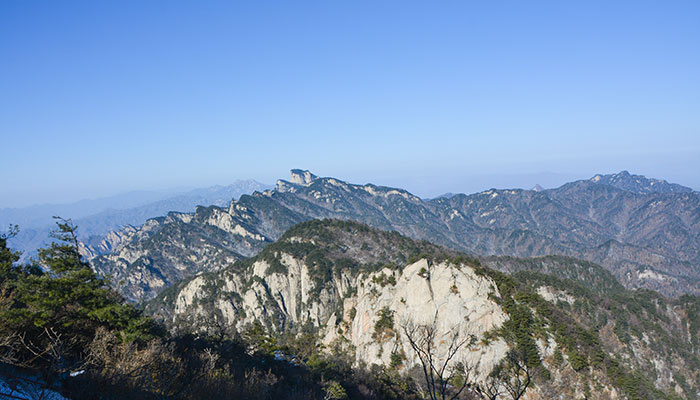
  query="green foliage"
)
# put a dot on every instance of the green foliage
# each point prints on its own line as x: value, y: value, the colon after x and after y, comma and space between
x: 563, y: 272
x: 335, y: 391
x: 63, y: 299
x: 8, y: 258
x: 383, y: 280
x: 576, y: 328
x: 259, y: 341
x: 577, y: 360
x: 275, y: 265
x: 423, y: 273
x: 385, y: 324
x: 691, y: 304
x: 464, y: 259
x: 558, y: 357
x: 520, y: 328
x: 396, y: 359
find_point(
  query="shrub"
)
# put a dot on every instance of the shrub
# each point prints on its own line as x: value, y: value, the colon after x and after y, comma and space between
x: 384, y: 327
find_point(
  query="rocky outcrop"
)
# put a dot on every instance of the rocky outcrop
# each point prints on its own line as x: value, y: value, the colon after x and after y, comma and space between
x: 452, y: 297
x: 107, y: 245
x: 168, y: 249
x: 302, y: 177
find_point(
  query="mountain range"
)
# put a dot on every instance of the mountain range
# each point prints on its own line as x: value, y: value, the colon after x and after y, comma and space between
x: 588, y: 290
x: 646, y: 232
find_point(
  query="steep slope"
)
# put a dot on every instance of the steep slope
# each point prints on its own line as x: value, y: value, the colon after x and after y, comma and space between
x: 168, y: 249
x: 364, y: 291
x: 646, y: 240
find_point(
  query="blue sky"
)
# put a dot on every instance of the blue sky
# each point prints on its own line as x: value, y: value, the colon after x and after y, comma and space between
x: 100, y: 97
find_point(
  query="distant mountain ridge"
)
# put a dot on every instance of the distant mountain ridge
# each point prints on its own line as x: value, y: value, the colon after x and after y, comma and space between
x: 645, y: 239
x: 104, y: 222
x: 34, y: 216
x: 639, y: 183
x: 97, y: 218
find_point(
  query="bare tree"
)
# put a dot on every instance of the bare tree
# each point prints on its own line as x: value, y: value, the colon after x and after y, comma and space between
x: 48, y: 350
x: 156, y: 368
x: 448, y: 379
x: 8, y: 348
x: 512, y: 376
x: 445, y: 377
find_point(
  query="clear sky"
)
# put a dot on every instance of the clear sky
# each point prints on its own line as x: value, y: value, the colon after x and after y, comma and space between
x: 101, y: 97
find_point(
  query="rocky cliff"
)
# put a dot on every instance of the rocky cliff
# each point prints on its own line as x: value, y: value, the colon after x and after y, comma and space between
x: 365, y: 292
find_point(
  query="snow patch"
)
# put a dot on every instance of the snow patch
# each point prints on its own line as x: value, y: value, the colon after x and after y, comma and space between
x: 19, y: 388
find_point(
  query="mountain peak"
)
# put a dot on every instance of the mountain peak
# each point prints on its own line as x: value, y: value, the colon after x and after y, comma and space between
x: 447, y: 195
x: 638, y: 183
x: 537, y: 188
x: 302, y: 177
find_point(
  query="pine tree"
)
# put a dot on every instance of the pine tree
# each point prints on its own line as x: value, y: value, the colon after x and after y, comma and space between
x: 8, y: 258
x: 61, y: 302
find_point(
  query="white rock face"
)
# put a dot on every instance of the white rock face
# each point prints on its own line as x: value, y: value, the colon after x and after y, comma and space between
x: 225, y: 221
x: 300, y: 177
x: 649, y: 274
x: 552, y: 295
x: 109, y: 243
x: 187, y: 295
x: 453, y: 298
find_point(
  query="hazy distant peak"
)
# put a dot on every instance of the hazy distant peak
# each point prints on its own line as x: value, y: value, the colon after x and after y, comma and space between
x: 302, y: 177
x: 537, y: 188
x: 447, y: 195
x: 622, y: 175
x: 638, y: 183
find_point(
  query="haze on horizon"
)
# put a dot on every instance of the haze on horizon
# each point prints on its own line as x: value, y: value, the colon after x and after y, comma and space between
x: 103, y: 98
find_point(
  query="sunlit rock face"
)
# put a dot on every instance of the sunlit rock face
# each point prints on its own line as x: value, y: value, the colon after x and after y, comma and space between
x: 347, y: 310
x: 302, y: 177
